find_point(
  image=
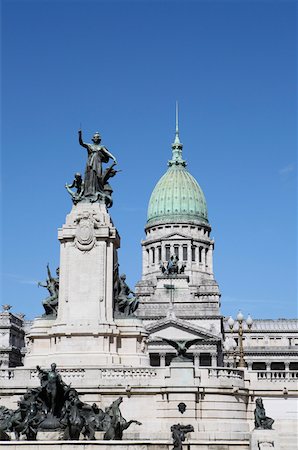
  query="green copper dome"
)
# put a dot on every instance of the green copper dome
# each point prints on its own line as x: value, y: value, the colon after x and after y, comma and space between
x: 177, y: 197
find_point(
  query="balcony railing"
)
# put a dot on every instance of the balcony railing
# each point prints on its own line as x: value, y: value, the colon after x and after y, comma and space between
x: 278, y: 375
x: 225, y: 373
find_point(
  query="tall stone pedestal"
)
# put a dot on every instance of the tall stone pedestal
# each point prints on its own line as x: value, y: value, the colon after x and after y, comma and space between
x: 84, y: 334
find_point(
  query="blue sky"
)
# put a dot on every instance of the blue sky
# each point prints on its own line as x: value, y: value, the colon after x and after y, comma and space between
x: 118, y: 67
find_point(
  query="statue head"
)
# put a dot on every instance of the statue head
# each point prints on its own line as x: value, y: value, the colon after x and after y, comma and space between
x: 123, y: 277
x: 95, y: 408
x: 119, y: 400
x: 53, y: 367
x: 182, y: 407
x: 72, y: 394
x: 78, y: 176
x: 96, y: 138
x: 259, y: 402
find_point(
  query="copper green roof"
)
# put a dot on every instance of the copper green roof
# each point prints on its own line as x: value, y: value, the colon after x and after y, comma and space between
x: 177, y: 197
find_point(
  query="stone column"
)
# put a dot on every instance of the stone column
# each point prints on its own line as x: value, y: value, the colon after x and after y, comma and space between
x: 210, y: 259
x: 196, y: 359
x: 204, y: 259
x: 162, y: 359
x: 189, y: 259
x: 180, y: 253
x: 197, y: 254
x: 145, y: 260
x: 213, y: 360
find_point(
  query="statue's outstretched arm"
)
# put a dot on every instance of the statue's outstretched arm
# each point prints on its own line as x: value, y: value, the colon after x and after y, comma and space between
x: 70, y: 186
x: 81, y: 142
x: 106, y: 151
x: 49, y: 272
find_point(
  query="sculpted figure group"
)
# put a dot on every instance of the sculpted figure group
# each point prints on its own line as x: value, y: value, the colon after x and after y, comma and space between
x: 50, y: 304
x: 57, y: 406
x: 172, y: 267
x: 95, y: 186
x: 178, y: 434
x: 124, y: 304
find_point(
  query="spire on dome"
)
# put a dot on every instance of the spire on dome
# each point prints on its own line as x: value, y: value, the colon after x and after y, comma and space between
x: 177, y: 146
x: 177, y: 140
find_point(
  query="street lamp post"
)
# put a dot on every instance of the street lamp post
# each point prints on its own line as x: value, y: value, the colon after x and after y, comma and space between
x: 230, y: 347
x: 241, y: 321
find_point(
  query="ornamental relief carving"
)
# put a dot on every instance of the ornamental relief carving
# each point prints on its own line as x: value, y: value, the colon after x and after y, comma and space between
x: 84, y: 235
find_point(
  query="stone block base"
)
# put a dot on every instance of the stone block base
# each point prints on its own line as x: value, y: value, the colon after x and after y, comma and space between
x: 264, y: 440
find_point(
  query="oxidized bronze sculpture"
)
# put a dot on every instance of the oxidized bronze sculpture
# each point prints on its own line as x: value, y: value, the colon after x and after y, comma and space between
x: 78, y: 184
x: 56, y: 406
x: 50, y: 304
x: 178, y: 434
x: 181, y: 347
x: 52, y: 389
x: 261, y: 421
x: 117, y: 423
x: 171, y: 267
x: 94, y: 187
x: 124, y: 305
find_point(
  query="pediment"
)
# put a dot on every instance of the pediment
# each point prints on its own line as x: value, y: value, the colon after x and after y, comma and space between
x: 176, y: 236
x: 178, y: 329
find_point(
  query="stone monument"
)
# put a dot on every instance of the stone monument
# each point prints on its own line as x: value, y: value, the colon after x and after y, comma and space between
x: 92, y: 322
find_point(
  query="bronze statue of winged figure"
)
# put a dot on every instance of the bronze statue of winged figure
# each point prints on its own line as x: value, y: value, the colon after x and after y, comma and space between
x: 181, y: 346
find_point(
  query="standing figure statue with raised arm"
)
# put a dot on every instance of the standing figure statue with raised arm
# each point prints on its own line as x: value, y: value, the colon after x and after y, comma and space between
x: 95, y: 179
x: 50, y: 304
x: 52, y: 389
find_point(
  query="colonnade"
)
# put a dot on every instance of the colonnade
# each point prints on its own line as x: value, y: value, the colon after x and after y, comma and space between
x: 189, y: 253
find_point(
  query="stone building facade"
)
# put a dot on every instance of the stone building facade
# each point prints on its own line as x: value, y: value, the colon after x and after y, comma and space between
x: 105, y: 356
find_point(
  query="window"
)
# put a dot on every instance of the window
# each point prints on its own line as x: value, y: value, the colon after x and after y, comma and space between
x: 159, y: 253
x: 277, y: 366
x: 205, y: 359
x: 200, y: 254
x: 258, y: 366
x: 153, y: 255
x: 184, y: 252
x: 293, y: 366
x: 168, y: 251
x: 193, y: 253
x: 176, y: 250
x: 154, y: 359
